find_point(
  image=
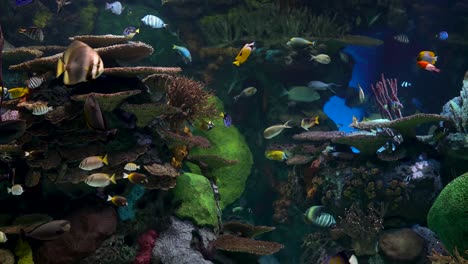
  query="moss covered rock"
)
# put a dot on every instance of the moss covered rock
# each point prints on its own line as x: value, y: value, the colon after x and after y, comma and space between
x: 228, y: 143
x: 194, y: 193
x: 448, y: 216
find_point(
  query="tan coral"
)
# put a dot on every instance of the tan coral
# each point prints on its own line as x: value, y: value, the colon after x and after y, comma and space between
x: 97, y: 41
x: 140, y: 71
x: 161, y: 176
x: 176, y: 139
x: 63, y: 112
x: 72, y: 154
x: 107, y: 102
x: 145, y: 113
x: 245, y: 230
x: 19, y: 55
x: 246, y: 245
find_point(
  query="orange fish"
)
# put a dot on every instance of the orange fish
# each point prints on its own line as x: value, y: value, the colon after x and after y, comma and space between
x: 428, y: 56
x: 428, y: 66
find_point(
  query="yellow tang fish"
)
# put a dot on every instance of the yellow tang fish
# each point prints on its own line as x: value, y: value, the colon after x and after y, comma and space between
x: 15, y: 93
x: 244, y: 54
x: 276, y: 155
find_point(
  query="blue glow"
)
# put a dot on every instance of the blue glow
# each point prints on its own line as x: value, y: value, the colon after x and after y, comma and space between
x: 341, y: 114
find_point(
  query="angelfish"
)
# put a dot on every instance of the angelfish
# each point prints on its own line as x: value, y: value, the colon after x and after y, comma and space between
x: 94, y: 117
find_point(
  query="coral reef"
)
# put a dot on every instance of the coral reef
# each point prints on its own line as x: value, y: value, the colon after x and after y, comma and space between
x: 24, y: 252
x: 401, y: 244
x: 113, y: 250
x: 196, y: 198
x: 447, y: 217
x: 146, y: 243
x: 247, y: 245
x: 457, y: 108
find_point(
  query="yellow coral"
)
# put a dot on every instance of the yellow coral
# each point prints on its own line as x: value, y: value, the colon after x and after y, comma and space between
x: 23, y: 252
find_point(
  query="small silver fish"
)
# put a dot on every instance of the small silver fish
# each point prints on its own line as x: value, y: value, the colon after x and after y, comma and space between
x: 100, y: 179
x: 3, y: 237
x: 321, y: 58
x: 402, y: 38
x: 131, y: 167
x: 115, y: 7
x: 246, y: 93
x: 41, y: 109
x: 16, y: 189
x: 93, y: 162
x: 275, y: 130
x: 362, y: 96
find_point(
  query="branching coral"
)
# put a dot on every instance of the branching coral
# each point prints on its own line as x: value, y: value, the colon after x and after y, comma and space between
x: 437, y: 258
x: 362, y: 227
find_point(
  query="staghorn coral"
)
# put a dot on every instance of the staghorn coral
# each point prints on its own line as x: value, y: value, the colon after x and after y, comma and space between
x: 210, y: 161
x: 176, y: 139
x: 246, y: 245
x: 362, y: 227
x: 112, y: 251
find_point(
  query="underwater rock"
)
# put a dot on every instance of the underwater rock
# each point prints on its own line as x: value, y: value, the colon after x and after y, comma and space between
x: 11, y: 130
x: 90, y: 227
x: 6, y: 257
x: 174, y: 244
x: 447, y: 216
x: 401, y: 244
x: 433, y: 243
x: 112, y: 251
x: 196, y: 198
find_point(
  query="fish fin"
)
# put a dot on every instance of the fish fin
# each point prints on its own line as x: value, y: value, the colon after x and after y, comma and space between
x: 316, y: 121
x: 174, y: 46
x: 237, y: 63
x: 138, y: 167
x: 109, y: 198
x: 137, y: 31
x: 285, y: 92
x: 9, y: 190
x: 125, y: 175
x: 329, y: 88
x: 286, y: 125
x: 60, y: 68
x: 434, y: 60
x: 236, y: 98
x: 312, y: 57
x: 105, y: 160
x: 112, y: 179
x: 432, y: 54
x: 305, y: 128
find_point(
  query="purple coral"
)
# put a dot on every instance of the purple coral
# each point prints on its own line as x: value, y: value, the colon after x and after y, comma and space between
x: 10, y: 115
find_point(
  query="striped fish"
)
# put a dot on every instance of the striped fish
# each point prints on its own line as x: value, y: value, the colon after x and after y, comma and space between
x: 402, y: 38
x: 325, y: 220
x: 33, y: 33
x: 34, y: 82
x: 153, y: 21
x: 131, y: 167
x: 41, y: 109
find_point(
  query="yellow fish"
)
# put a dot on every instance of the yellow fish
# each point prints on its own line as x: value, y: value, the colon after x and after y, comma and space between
x: 276, y: 155
x: 427, y: 56
x: 18, y: 92
x: 206, y: 125
x: 244, y: 54
x: 309, y: 122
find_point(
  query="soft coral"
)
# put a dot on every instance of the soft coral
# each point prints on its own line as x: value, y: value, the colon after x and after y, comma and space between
x: 146, y: 242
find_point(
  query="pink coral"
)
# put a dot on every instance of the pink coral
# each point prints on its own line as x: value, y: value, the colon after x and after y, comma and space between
x: 146, y: 242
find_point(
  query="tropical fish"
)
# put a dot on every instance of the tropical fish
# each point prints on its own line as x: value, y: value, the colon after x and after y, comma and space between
x: 249, y: 91
x: 93, y: 115
x: 428, y: 56
x: 3, y: 237
x: 184, y: 52
x: 34, y: 82
x: 427, y: 66
x: 314, y: 215
x: 16, y: 189
x: 119, y: 201
x: 226, y: 119
x: 33, y: 33
x: 80, y: 63
x: 275, y: 130
x: 244, y: 53
x: 299, y: 43
x: 131, y: 167
x: 41, y: 109
x: 321, y: 58
x: 18, y: 92
x: 115, y: 7
x: 344, y: 57
x: 340, y: 258
x: 206, y: 125
x: 100, y: 179
x: 374, y: 19
x: 130, y: 32
x: 93, y: 162
x: 362, y: 96
x: 443, y: 35
x: 302, y: 94
x: 153, y: 21
x: 402, y: 38
x: 278, y: 155
x: 405, y: 84
x: 321, y: 86
x: 136, y: 177
x: 50, y: 230
x: 309, y: 122
x: 61, y: 4
x: 19, y: 3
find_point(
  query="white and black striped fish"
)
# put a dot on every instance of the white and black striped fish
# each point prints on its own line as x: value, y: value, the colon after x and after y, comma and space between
x: 41, y: 109
x: 405, y: 84
x: 33, y: 33
x: 153, y: 21
x: 325, y: 220
x: 402, y: 38
x: 34, y: 82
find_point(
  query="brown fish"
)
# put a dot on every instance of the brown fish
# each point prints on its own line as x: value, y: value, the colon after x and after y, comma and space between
x: 117, y: 200
x: 80, y: 63
x: 50, y: 230
x: 136, y: 177
x: 93, y: 115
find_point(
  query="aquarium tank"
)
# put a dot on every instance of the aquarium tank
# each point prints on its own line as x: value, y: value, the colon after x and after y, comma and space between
x: 233, y: 131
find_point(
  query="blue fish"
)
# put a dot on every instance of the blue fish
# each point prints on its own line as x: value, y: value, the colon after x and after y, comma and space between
x: 227, y: 120
x: 184, y: 52
x: 443, y: 35
x: 19, y: 3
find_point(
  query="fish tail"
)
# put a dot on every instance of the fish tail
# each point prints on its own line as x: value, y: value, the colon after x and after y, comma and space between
x: 112, y: 179
x: 174, y: 46
x: 60, y: 68
x: 105, y: 160
x: 138, y: 167
x: 9, y: 190
x: 317, y: 120
x: 285, y: 92
x: 125, y: 175
x: 237, y: 63
x: 287, y: 125
x: 109, y: 198
x: 236, y: 98
x: 312, y: 57
x: 108, y: 6
x: 434, y: 60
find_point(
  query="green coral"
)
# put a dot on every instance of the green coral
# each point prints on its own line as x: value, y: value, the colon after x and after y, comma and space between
x: 24, y: 252
x: 197, y: 199
x: 228, y: 143
x: 448, y: 216
x: 87, y: 16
